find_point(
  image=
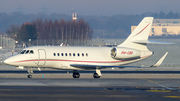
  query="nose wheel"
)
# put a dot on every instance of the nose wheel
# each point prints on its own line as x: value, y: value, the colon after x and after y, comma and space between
x: 29, y: 76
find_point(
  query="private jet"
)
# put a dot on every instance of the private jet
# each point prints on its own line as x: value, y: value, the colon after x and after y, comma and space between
x: 76, y: 58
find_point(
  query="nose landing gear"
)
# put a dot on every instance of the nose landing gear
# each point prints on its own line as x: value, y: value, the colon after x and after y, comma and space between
x: 29, y: 76
x: 30, y: 71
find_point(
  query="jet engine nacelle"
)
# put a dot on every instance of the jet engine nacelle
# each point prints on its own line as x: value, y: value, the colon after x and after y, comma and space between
x: 125, y: 53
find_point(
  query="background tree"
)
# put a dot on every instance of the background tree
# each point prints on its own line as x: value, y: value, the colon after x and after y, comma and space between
x: 103, y: 26
x: 13, y: 31
x: 66, y: 31
x: 26, y: 32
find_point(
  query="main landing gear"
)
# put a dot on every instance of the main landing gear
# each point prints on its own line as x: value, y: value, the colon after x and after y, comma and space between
x: 76, y: 74
x: 95, y: 75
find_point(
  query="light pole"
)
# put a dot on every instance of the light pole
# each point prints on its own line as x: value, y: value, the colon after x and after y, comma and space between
x: 16, y: 44
x: 29, y: 42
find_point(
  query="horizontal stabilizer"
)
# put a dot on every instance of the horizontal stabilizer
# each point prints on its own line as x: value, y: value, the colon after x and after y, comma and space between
x: 61, y: 44
x: 151, y: 42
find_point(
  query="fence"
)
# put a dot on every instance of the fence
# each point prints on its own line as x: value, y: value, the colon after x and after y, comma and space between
x: 7, y: 42
x: 54, y: 42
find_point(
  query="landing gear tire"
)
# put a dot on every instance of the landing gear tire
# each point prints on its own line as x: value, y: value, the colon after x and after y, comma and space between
x: 29, y: 76
x: 96, y: 75
x: 76, y: 75
x: 30, y: 71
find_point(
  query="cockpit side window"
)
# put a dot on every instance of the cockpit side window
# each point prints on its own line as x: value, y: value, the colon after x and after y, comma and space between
x: 23, y: 51
x: 19, y: 52
x: 31, y: 52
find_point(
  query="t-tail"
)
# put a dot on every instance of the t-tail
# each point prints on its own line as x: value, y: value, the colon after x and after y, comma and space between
x: 139, y: 37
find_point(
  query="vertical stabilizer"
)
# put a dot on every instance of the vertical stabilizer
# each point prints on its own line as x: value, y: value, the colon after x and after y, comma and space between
x: 141, y: 33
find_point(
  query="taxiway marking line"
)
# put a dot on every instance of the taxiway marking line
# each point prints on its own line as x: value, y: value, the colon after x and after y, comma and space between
x: 158, y: 84
x: 159, y: 90
x: 172, y: 96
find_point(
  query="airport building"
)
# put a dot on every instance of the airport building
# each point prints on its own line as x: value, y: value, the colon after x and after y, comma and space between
x: 164, y: 27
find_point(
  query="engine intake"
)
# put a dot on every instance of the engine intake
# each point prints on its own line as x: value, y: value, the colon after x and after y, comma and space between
x: 125, y: 53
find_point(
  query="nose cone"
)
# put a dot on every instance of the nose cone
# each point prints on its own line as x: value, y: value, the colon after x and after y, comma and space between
x: 10, y: 60
x: 7, y: 61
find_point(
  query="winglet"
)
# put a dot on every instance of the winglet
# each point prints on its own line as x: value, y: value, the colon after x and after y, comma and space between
x: 61, y: 44
x: 160, y: 61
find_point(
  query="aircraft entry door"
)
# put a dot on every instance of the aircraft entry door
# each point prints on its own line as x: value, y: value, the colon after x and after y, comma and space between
x: 42, y: 57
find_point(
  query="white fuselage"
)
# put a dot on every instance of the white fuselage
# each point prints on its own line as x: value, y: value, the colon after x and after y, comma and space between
x: 62, y: 57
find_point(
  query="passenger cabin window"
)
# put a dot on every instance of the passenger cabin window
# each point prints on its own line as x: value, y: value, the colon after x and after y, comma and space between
x: 60, y: 54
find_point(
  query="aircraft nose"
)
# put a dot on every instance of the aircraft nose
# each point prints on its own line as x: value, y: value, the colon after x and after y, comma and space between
x: 12, y: 60
x: 6, y: 61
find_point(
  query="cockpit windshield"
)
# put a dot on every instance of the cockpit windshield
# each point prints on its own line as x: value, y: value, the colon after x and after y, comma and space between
x: 22, y: 52
x: 26, y: 52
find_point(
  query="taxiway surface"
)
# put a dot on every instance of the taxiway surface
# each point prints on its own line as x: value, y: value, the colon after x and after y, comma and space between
x: 104, y: 89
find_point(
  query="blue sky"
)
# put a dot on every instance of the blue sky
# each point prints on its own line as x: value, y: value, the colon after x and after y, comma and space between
x: 90, y: 7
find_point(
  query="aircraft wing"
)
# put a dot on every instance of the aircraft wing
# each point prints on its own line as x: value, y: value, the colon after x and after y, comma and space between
x: 87, y: 66
x: 103, y: 66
